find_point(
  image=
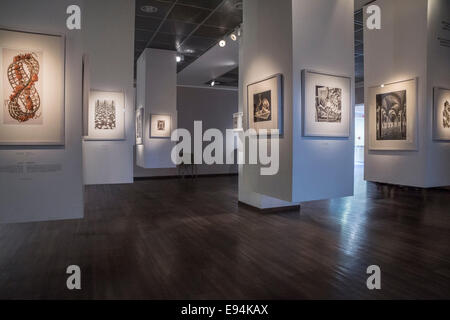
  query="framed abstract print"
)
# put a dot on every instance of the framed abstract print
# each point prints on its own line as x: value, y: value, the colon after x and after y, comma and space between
x: 393, y: 116
x: 441, y: 114
x: 265, y: 104
x: 106, y: 116
x: 160, y: 126
x: 326, y: 105
x: 31, y: 88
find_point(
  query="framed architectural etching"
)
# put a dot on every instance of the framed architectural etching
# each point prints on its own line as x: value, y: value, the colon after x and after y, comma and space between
x: 265, y: 104
x: 160, y: 126
x: 326, y: 105
x: 31, y: 88
x: 106, y: 116
x: 237, y: 121
x: 441, y: 117
x: 393, y: 116
x: 140, y: 125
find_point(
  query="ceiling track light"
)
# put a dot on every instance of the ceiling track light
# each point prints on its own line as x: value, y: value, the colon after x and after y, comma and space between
x: 213, y: 83
x: 222, y: 43
x: 179, y: 58
x: 149, y: 9
x: 233, y: 36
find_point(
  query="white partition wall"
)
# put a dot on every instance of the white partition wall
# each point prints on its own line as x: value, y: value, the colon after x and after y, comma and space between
x: 41, y: 182
x: 408, y: 46
x: 108, y: 37
x: 156, y: 92
x: 285, y: 37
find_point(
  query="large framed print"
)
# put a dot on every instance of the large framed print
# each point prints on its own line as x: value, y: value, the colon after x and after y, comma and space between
x: 106, y: 115
x: 140, y: 125
x: 441, y: 114
x: 326, y: 105
x: 265, y: 104
x: 393, y: 116
x: 160, y: 126
x: 31, y: 88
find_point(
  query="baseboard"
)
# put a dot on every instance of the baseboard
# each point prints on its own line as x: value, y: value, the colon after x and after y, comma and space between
x: 187, y: 176
x: 269, y: 210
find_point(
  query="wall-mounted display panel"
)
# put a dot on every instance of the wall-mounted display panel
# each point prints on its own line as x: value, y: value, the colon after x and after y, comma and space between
x: 31, y: 88
x: 441, y: 111
x: 160, y: 126
x: 140, y: 125
x: 265, y: 104
x: 326, y: 104
x: 106, y: 116
x: 393, y: 116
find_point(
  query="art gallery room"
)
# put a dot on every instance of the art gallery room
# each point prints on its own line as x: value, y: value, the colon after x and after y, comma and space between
x: 201, y: 150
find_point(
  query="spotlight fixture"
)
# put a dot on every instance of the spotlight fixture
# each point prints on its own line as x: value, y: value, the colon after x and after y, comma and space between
x: 382, y: 85
x: 233, y: 36
x: 149, y: 9
x: 213, y: 83
x: 222, y: 43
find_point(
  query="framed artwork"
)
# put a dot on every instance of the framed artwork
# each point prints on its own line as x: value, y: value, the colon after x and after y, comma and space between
x: 326, y: 105
x: 237, y: 121
x: 106, y: 116
x: 140, y: 125
x: 265, y: 104
x: 31, y: 88
x: 160, y: 126
x: 393, y: 116
x: 441, y: 114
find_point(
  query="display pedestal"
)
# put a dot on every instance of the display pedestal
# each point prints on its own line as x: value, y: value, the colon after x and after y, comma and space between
x: 286, y: 37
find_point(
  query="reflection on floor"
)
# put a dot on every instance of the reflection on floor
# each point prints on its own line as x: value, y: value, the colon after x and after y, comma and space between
x: 190, y: 240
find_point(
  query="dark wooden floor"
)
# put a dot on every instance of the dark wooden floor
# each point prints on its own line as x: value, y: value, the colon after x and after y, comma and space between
x: 187, y: 239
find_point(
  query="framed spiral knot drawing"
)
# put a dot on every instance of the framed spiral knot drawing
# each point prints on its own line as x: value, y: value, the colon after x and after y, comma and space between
x: 32, y: 88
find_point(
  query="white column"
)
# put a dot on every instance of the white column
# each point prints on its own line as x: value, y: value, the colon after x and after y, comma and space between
x: 156, y: 91
x: 407, y: 47
x: 286, y: 37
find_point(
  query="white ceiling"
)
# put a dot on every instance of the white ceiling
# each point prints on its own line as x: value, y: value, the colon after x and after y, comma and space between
x: 214, y: 63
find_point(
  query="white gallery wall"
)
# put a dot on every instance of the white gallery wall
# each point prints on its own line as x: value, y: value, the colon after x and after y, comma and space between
x: 156, y: 92
x: 303, y: 34
x: 407, y: 47
x: 215, y: 108
x: 58, y: 193
x: 438, y: 73
x: 108, y: 37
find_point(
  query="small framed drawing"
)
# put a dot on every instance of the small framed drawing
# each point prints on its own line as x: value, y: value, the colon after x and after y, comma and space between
x: 392, y: 116
x: 140, y: 125
x: 106, y: 116
x: 160, y: 126
x: 265, y: 104
x: 32, y: 86
x: 326, y: 105
x: 441, y: 114
x: 237, y: 121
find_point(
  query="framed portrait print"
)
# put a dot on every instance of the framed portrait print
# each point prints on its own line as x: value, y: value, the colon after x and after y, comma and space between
x: 31, y: 88
x: 441, y: 114
x: 139, y: 125
x: 393, y: 116
x: 160, y: 126
x: 326, y: 105
x: 265, y: 104
x: 106, y: 116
